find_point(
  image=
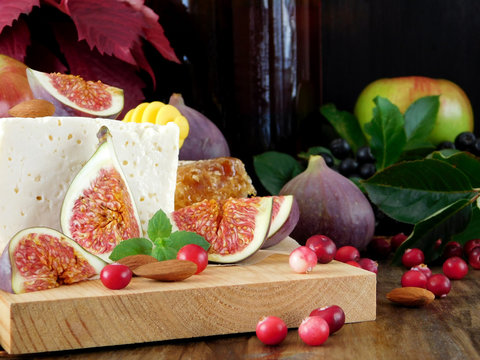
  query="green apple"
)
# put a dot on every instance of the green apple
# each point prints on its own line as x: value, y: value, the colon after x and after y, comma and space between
x: 455, y: 114
x: 14, y: 87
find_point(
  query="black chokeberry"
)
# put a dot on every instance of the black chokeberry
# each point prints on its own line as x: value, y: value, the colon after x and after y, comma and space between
x: 476, y: 148
x: 364, y: 155
x: 366, y: 170
x: 340, y: 148
x: 348, y: 167
x: 445, y: 145
x: 465, y: 140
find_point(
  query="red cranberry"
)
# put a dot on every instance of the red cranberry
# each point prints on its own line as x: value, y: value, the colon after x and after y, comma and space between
x: 470, y: 245
x: 347, y: 253
x: 323, y: 246
x: 452, y: 249
x: 424, y: 269
x: 333, y: 315
x: 368, y: 264
x: 413, y: 257
x: 474, y: 258
x: 398, y: 240
x: 455, y: 268
x: 353, y: 263
x: 439, y: 284
x: 414, y: 278
x: 379, y: 247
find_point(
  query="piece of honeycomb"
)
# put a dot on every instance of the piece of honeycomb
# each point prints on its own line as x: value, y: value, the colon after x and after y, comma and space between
x: 219, y: 179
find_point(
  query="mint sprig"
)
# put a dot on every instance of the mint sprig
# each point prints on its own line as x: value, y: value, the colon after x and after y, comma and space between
x: 163, y: 243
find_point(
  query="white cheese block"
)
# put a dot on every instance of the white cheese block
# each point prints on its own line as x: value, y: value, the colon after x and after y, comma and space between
x: 40, y: 157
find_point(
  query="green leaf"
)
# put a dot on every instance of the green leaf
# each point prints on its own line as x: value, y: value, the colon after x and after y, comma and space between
x: 181, y: 238
x: 466, y: 162
x: 346, y: 125
x: 387, y: 133
x: 159, y: 226
x: 443, y: 224
x: 411, y: 191
x: 275, y: 169
x: 473, y: 229
x: 164, y: 253
x: 315, y: 150
x: 419, y: 121
x: 131, y: 246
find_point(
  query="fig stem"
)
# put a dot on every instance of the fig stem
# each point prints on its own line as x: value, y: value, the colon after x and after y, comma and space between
x: 102, y: 135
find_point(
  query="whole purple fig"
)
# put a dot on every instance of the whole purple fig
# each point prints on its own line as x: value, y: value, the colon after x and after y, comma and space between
x: 330, y: 204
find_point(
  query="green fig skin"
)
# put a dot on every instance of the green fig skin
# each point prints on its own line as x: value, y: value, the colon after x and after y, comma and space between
x: 331, y: 205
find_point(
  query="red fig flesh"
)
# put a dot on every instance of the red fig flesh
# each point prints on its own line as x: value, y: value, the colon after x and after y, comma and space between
x: 330, y: 204
x: 205, y: 140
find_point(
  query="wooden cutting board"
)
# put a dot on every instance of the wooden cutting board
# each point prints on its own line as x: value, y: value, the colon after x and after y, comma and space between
x: 221, y: 300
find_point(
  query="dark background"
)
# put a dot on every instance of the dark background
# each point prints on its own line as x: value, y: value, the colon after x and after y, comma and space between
x: 237, y: 66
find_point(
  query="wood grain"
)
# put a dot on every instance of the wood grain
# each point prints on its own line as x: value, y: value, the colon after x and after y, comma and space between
x: 222, y: 300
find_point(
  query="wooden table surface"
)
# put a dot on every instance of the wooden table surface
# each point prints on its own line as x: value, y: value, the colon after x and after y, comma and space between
x: 448, y: 328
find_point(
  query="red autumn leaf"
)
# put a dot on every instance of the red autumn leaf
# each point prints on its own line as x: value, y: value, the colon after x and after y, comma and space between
x: 10, y: 10
x: 14, y: 40
x: 111, y: 26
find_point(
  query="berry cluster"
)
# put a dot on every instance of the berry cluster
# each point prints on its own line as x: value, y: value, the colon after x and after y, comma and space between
x: 342, y: 159
x: 465, y: 141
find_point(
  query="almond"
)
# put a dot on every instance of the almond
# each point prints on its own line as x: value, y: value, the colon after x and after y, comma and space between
x: 32, y: 108
x: 167, y: 270
x: 134, y: 261
x: 411, y: 296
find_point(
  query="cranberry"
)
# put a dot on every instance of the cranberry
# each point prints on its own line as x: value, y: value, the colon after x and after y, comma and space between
x: 115, y: 276
x: 347, y: 253
x: 414, y: 278
x: 314, y: 330
x: 271, y: 330
x: 333, y: 315
x: 474, y: 258
x: 323, y: 246
x: 368, y: 264
x: 302, y: 260
x: 470, y: 245
x: 452, y: 249
x: 424, y: 269
x: 439, y: 284
x: 196, y: 254
x: 379, y: 247
x: 413, y: 257
x: 455, y: 268
x: 353, y: 263
x: 397, y: 240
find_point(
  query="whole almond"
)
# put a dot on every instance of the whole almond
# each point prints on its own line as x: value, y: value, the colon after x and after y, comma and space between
x: 411, y: 296
x: 167, y: 270
x: 32, y: 108
x: 134, y: 261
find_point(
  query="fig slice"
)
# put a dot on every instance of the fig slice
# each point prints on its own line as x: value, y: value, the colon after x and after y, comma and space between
x: 41, y: 258
x: 235, y: 229
x: 73, y: 96
x: 98, y: 210
x: 285, y: 215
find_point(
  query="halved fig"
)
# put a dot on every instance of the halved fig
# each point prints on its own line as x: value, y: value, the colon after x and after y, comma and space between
x: 73, y: 96
x: 41, y: 258
x: 285, y: 217
x: 98, y: 210
x: 235, y: 229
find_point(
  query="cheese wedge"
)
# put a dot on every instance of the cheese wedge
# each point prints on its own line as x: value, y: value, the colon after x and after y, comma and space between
x: 40, y: 157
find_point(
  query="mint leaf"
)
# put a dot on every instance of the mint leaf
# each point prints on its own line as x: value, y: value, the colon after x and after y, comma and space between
x: 419, y: 121
x: 387, y: 132
x: 411, y: 191
x: 179, y: 239
x: 443, y: 224
x: 346, y: 125
x: 275, y: 169
x: 164, y: 253
x: 131, y: 246
x: 159, y: 226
